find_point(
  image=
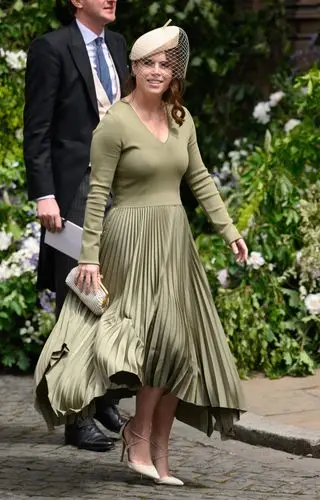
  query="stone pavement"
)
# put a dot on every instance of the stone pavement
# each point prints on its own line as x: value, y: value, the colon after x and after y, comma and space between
x: 288, y: 400
x: 282, y: 414
x: 35, y: 465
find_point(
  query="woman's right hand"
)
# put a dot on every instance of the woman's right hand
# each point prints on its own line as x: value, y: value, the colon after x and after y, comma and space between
x: 240, y: 250
x: 88, y: 277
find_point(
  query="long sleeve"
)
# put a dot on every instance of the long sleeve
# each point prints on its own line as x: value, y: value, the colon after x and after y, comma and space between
x: 105, y: 154
x: 206, y: 192
x: 41, y: 88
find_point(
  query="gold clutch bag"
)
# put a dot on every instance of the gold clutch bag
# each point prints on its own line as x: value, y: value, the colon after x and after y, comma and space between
x: 97, y: 301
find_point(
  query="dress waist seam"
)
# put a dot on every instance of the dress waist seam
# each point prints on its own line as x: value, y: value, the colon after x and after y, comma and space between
x: 114, y: 206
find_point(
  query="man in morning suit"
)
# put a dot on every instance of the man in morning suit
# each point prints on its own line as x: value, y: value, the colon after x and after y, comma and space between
x: 73, y: 75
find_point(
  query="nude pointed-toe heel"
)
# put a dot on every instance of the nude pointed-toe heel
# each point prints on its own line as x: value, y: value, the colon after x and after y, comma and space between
x: 166, y: 480
x: 144, y: 470
x: 169, y: 481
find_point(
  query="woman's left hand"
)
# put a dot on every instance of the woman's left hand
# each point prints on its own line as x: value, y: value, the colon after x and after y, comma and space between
x: 240, y: 250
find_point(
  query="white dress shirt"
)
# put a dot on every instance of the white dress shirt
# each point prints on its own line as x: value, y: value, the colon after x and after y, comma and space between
x: 89, y: 40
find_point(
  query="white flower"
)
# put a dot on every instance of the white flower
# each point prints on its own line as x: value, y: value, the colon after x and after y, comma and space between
x: 19, y: 134
x: 27, y: 265
x: 33, y: 229
x: 315, y: 273
x: 31, y: 245
x: 13, y: 164
x: 255, y: 260
x: 26, y: 258
x: 5, y: 272
x: 276, y: 97
x: 261, y: 112
x: 291, y: 124
x: 235, y: 158
x: 21, y: 262
x: 226, y: 167
x: 5, y: 240
x: 303, y: 291
x: 16, y: 60
x: 312, y: 303
x: 2, y: 52
x: 234, y: 155
x: 223, y: 277
x: 298, y: 257
x: 221, y: 155
x: 237, y: 143
x: 243, y: 152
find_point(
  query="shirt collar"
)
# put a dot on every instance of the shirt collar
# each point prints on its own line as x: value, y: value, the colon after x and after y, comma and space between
x: 88, y: 35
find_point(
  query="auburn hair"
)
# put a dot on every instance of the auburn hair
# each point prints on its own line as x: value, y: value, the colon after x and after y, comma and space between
x: 173, y: 95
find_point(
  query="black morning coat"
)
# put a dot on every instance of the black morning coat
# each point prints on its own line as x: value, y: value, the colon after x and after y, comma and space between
x: 60, y: 114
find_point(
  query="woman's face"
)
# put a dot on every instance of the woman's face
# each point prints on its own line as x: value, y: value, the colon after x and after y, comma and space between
x: 153, y: 74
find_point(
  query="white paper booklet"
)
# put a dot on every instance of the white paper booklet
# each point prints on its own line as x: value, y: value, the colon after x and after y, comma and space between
x: 68, y: 241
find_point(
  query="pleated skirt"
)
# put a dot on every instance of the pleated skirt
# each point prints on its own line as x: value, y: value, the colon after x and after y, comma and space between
x: 161, y: 329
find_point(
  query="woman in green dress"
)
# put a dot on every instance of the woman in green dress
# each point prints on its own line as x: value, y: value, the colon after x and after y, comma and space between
x: 161, y: 337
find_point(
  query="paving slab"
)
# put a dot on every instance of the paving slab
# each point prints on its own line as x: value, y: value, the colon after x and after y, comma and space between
x: 289, y: 400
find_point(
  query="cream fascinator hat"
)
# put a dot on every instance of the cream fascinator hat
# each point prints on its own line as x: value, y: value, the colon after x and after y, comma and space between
x: 169, y: 39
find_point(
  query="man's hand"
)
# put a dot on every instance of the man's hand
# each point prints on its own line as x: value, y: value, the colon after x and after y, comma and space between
x: 49, y: 214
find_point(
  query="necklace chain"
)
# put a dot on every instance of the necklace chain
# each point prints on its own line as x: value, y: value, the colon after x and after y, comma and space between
x: 161, y: 116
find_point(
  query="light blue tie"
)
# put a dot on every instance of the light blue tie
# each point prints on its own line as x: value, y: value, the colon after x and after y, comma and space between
x: 102, y: 69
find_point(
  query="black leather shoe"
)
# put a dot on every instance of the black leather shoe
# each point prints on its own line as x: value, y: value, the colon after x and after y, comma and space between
x: 86, y: 435
x: 108, y: 416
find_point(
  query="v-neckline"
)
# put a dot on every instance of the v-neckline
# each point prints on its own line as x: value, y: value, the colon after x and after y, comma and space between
x: 147, y: 128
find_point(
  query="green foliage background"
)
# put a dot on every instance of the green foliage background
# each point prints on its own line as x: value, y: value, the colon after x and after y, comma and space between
x: 237, y: 57
x: 233, y: 51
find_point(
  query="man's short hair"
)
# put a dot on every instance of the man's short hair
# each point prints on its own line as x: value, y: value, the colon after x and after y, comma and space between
x: 71, y: 6
x: 65, y: 11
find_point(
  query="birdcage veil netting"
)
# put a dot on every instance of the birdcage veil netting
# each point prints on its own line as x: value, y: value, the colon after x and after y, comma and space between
x: 170, y: 42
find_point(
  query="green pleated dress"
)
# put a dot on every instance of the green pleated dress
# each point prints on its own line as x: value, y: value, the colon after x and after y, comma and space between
x: 161, y: 328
